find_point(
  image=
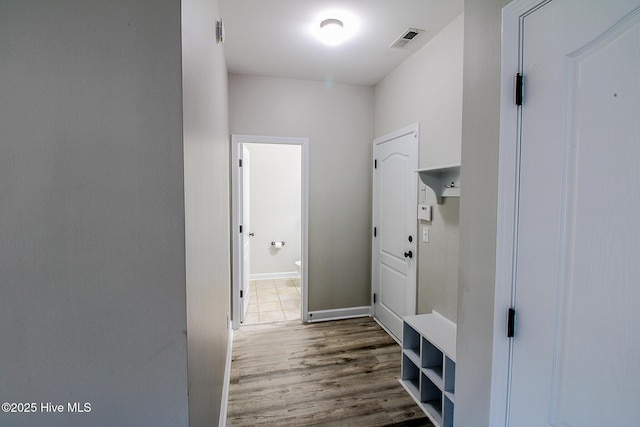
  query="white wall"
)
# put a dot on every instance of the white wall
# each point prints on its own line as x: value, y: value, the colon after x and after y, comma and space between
x: 206, y: 186
x: 478, y: 210
x: 427, y: 88
x: 92, y: 255
x: 276, y: 207
x: 338, y: 120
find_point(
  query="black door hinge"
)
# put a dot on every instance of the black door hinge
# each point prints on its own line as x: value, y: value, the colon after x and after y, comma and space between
x: 519, y: 89
x: 375, y: 231
x: 241, y: 293
x: 511, y: 322
x: 375, y: 164
x: 240, y: 229
x: 374, y: 298
x: 240, y: 162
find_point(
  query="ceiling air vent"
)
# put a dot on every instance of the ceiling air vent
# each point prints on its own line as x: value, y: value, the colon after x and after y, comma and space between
x: 407, y: 36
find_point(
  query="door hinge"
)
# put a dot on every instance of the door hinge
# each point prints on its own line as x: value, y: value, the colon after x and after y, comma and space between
x: 511, y: 322
x: 240, y: 162
x: 519, y: 89
x: 375, y: 164
x: 374, y: 298
x: 375, y: 231
x: 241, y: 293
x: 240, y: 229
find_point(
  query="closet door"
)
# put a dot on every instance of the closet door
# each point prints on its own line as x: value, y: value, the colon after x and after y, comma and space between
x: 576, y: 351
x: 395, y: 195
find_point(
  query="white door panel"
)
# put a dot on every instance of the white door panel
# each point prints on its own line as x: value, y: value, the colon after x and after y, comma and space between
x: 392, y: 292
x: 395, y: 262
x: 393, y: 199
x: 576, y: 349
x: 394, y: 217
x: 246, y: 234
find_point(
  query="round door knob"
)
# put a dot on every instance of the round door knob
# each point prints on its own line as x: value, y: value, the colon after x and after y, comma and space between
x: 408, y: 254
x: 251, y: 234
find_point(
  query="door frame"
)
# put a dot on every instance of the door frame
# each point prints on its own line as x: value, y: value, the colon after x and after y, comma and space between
x: 236, y: 197
x: 508, y: 195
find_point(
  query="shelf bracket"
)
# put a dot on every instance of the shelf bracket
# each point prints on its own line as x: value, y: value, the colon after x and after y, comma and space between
x: 444, y: 181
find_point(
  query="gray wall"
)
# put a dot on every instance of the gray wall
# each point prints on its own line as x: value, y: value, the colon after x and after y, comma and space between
x: 206, y: 183
x: 338, y: 120
x: 427, y: 88
x: 478, y: 210
x: 438, y: 268
x: 92, y: 270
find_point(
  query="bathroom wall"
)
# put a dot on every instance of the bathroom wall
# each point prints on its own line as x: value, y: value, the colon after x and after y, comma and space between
x: 338, y: 120
x: 275, y: 189
x: 427, y: 88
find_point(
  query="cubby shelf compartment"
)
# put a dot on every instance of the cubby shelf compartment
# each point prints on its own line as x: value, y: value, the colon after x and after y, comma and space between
x: 428, y: 365
x: 443, y: 180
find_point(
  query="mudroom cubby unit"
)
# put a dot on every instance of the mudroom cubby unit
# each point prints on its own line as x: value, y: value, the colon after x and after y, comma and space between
x: 429, y: 365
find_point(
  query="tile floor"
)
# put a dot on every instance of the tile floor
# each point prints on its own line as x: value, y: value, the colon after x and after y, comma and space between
x: 273, y: 300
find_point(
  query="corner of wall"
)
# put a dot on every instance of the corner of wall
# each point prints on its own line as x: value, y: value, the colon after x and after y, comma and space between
x: 480, y: 136
x: 207, y: 216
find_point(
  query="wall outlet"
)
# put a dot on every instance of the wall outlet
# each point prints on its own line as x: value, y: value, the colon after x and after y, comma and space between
x: 425, y: 234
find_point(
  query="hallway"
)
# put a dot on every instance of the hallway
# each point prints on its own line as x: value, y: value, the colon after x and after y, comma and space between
x: 340, y: 373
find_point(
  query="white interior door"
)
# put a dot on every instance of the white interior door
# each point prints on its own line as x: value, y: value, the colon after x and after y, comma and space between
x: 576, y: 351
x: 245, y: 294
x: 395, y: 198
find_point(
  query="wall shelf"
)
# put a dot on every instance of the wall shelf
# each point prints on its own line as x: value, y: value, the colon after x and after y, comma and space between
x: 443, y: 180
x: 429, y: 365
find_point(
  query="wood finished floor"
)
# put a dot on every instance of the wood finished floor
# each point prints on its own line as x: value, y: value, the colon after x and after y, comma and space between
x: 339, y: 373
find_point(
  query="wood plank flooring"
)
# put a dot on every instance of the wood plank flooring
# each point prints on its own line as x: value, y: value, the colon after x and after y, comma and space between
x: 339, y: 373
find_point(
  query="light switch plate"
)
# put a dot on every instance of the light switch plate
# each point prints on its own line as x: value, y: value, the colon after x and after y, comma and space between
x: 425, y: 234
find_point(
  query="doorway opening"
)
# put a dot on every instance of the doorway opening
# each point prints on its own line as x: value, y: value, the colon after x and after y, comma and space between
x: 270, y: 229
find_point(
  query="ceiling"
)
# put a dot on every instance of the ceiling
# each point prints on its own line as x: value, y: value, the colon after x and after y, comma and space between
x: 274, y: 37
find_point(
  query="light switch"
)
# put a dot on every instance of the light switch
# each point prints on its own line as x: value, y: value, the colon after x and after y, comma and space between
x: 425, y: 234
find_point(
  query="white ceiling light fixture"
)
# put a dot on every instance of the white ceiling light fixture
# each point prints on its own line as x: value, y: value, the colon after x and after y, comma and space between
x: 332, y: 31
x: 334, y: 28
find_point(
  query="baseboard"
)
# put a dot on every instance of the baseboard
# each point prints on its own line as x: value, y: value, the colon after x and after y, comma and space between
x: 222, y: 422
x: 281, y: 275
x: 339, y: 313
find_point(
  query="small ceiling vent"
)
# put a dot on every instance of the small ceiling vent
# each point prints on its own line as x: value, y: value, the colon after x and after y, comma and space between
x: 407, y: 37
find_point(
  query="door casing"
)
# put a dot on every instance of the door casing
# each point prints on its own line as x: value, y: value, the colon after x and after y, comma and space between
x: 510, y: 123
x: 236, y: 214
